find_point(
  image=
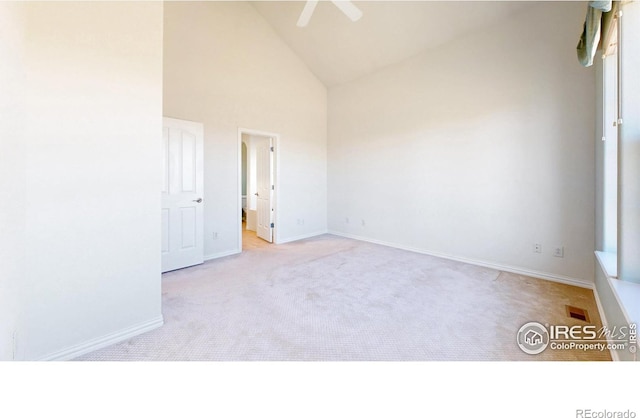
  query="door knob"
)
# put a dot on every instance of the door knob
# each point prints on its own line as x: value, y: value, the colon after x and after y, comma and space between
x: 198, y: 200
x: 256, y: 194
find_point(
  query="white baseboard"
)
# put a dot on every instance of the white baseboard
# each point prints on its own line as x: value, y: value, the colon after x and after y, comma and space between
x: 104, y: 341
x: 511, y: 269
x: 299, y: 237
x: 222, y: 254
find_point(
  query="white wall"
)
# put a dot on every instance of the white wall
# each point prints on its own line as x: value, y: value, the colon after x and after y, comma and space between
x: 93, y: 119
x: 477, y: 149
x: 225, y: 67
x: 12, y: 172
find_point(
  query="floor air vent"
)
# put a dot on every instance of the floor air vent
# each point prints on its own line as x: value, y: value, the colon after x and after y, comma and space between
x: 577, y: 313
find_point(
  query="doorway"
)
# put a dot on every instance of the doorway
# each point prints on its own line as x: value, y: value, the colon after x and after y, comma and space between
x: 257, y: 188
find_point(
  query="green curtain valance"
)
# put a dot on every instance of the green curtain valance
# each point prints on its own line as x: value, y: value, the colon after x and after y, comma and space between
x: 590, y: 38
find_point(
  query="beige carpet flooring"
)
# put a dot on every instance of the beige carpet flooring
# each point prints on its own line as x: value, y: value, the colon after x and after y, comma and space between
x: 332, y: 298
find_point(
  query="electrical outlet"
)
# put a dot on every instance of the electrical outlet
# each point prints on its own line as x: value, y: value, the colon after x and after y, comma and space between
x: 215, y: 235
x: 346, y: 220
x: 362, y: 221
x: 537, y: 248
x: 558, y: 252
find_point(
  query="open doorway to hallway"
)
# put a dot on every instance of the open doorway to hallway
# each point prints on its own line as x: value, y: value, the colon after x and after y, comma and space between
x: 257, y: 188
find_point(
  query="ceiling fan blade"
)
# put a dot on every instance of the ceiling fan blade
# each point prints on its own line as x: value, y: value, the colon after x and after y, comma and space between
x: 305, y: 16
x: 349, y: 9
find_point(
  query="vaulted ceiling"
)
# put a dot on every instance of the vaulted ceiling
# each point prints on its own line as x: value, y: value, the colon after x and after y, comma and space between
x: 338, y: 50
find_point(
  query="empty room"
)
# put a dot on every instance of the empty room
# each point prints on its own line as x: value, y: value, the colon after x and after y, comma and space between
x: 370, y: 181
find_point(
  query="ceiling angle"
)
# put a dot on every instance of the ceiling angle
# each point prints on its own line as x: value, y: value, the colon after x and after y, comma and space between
x: 346, y: 7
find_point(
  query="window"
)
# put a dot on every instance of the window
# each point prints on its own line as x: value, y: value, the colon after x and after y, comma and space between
x: 607, y: 185
x: 610, y: 151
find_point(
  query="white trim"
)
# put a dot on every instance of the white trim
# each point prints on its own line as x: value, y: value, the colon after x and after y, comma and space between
x: 222, y: 254
x: 300, y: 237
x: 608, y: 263
x: 501, y: 267
x: 613, y: 284
x: 239, y: 189
x: 105, y: 340
x: 620, y: 304
x: 605, y: 323
x: 629, y: 292
x: 613, y: 290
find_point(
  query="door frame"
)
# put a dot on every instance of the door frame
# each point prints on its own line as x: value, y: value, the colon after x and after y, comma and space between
x: 275, y: 173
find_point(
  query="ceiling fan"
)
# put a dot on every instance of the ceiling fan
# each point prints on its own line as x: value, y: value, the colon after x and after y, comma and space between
x: 348, y: 8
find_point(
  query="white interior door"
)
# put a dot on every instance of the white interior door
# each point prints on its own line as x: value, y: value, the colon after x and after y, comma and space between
x: 182, y: 208
x: 264, y: 164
